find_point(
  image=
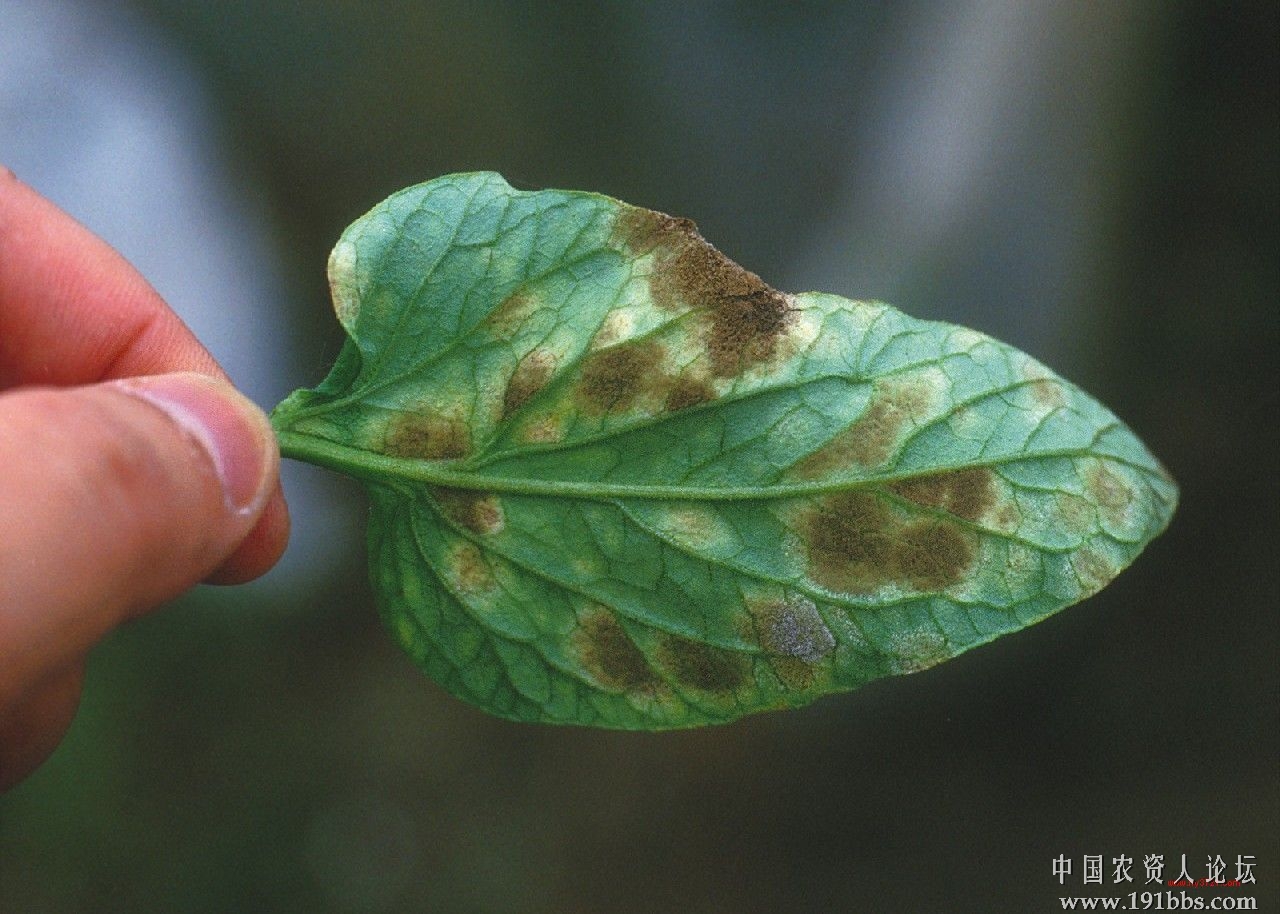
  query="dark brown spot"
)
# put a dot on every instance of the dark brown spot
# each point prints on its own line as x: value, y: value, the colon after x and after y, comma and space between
x: 612, y: 379
x: 611, y: 656
x: 710, y: 669
x: 968, y: 493
x: 686, y: 392
x: 745, y: 316
x: 856, y: 544
x: 745, y: 330
x: 429, y: 437
x: 870, y: 440
x: 479, y: 512
x: 641, y: 230
x: 530, y: 376
x: 932, y: 555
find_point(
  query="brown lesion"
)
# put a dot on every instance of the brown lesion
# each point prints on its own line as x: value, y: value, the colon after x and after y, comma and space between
x: 792, y: 628
x: 471, y: 572
x: 872, y: 437
x: 855, y: 544
x: 703, y: 666
x: 609, y: 654
x: 427, y: 436
x: 968, y: 493
x: 745, y: 317
x: 687, y: 392
x: 504, y: 320
x: 1092, y: 569
x: 531, y: 375
x: 613, y: 379
x: 479, y: 512
x: 794, y: 638
x: 1046, y: 389
x: 1109, y: 490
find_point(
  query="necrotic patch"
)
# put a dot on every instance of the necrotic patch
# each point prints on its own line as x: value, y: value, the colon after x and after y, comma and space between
x: 613, y: 379
x: 872, y: 437
x: 687, y: 392
x: 479, y: 512
x: 744, y: 316
x: 967, y: 493
x: 427, y: 436
x: 610, y: 655
x: 530, y: 376
x: 855, y: 545
x: 707, y: 668
x: 793, y: 628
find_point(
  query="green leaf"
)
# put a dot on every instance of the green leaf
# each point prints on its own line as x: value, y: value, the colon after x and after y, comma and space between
x: 618, y: 480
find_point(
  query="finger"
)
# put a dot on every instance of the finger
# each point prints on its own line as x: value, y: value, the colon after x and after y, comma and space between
x: 113, y: 499
x: 73, y: 311
x: 261, y: 549
x: 32, y: 729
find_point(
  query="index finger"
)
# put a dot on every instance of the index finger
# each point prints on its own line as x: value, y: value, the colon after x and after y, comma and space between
x: 72, y: 310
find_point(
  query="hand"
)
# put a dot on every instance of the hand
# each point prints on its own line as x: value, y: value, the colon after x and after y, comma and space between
x: 130, y: 469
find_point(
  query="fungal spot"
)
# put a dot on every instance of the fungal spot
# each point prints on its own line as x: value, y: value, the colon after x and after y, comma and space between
x: 701, y: 666
x: 1045, y: 389
x: 745, y: 329
x: 870, y: 440
x: 1077, y: 513
x: 792, y: 672
x: 695, y: 524
x: 1092, y: 569
x: 612, y: 379
x: 617, y: 326
x: 745, y: 316
x: 427, y: 436
x: 919, y: 650
x: 967, y: 493
x: 544, y: 430
x: 1109, y: 490
x: 687, y: 392
x: 793, y: 628
x: 642, y: 230
x: 504, y: 320
x: 342, y: 283
x: 530, y: 376
x: 611, y: 656
x: 471, y: 572
x: 1008, y: 518
x: 479, y: 512
x: 855, y: 544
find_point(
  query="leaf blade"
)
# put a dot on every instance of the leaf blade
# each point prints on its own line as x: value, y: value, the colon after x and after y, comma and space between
x: 618, y: 480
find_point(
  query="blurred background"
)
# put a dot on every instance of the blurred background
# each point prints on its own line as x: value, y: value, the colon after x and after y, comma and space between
x: 1094, y: 183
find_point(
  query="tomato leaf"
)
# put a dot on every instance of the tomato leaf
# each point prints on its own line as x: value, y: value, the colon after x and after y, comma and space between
x: 618, y: 480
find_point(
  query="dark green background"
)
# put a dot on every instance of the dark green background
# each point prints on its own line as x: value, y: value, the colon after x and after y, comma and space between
x: 232, y: 755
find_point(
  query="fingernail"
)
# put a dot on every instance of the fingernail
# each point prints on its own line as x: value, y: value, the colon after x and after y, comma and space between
x: 233, y: 431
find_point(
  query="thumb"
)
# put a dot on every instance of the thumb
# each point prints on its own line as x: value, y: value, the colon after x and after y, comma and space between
x: 114, y: 498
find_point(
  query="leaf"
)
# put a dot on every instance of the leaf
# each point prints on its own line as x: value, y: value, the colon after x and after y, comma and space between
x: 618, y: 480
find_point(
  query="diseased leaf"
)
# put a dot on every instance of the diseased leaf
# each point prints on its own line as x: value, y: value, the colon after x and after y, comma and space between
x: 618, y: 480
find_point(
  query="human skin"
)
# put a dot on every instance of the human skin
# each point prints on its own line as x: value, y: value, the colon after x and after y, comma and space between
x: 130, y: 469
